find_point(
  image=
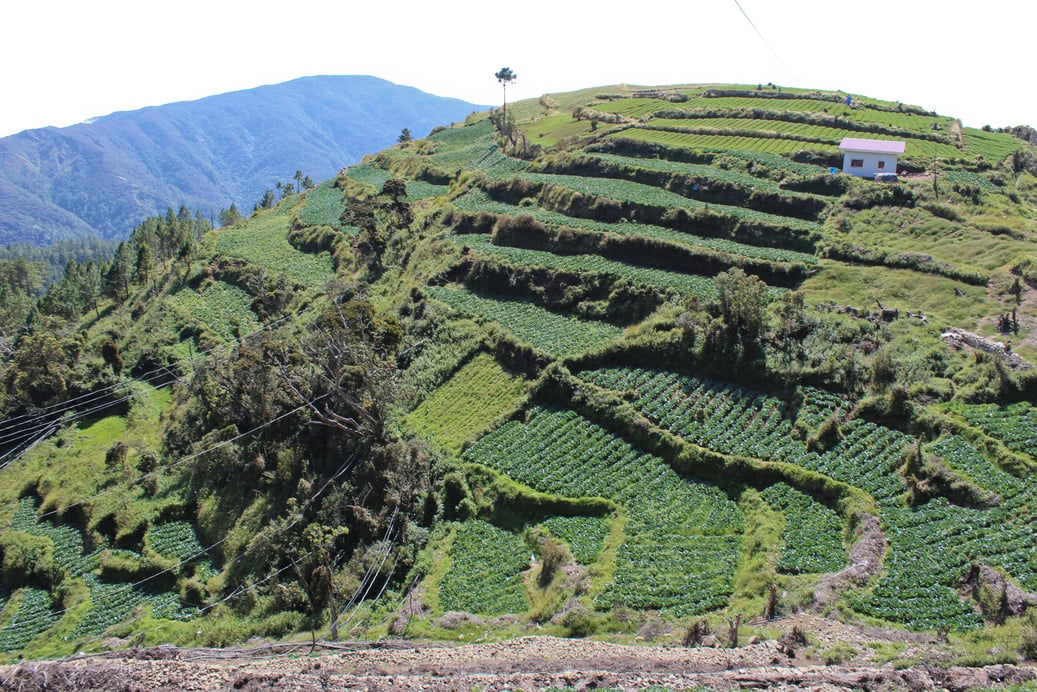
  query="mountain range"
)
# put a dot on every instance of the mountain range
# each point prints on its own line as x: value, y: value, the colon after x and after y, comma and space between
x: 100, y: 178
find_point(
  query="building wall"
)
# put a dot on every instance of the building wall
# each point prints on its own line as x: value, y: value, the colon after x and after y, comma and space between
x: 869, y: 163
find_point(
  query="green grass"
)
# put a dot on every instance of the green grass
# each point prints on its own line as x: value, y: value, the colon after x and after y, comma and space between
x: 477, y: 395
x: 934, y: 296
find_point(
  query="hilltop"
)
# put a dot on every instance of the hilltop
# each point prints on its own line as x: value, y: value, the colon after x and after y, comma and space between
x: 627, y: 362
x: 100, y: 178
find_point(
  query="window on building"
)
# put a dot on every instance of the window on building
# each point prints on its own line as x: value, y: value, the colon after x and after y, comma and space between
x: 882, y: 165
x: 856, y: 163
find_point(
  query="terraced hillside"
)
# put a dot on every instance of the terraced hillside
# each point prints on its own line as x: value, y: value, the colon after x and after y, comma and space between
x: 633, y: 360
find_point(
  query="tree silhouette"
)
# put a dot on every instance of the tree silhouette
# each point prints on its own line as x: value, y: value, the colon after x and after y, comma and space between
x: 505, y: 76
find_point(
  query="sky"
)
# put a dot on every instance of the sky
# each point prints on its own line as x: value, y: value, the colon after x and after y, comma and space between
x: 66, y: 61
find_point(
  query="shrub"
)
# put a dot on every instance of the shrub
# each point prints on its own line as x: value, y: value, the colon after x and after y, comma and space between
x: 552, y: 556
x: 28, y: 559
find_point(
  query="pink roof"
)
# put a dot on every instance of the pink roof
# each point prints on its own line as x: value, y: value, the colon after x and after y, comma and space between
x: 875, y: 146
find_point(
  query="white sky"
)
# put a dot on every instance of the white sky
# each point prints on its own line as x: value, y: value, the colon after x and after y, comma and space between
x: 68, y: 60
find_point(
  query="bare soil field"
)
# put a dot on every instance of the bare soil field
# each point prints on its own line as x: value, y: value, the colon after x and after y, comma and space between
x: 526, y: 663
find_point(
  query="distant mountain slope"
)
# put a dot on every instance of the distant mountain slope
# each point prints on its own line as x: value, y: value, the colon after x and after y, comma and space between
x: 102, y: 177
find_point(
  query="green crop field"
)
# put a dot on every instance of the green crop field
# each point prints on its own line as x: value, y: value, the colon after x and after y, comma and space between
x: 687, y: 284
x: 545, y: 394
x: 551, y: 332
x: 477, y: 200
x: 714, y: 142
x: 485, y: 575
x: 696, y: 171
x: 681, y: 542
x: 477, y: 395
x: 628, y: 191
x: 323, y: 206
x: 219, y: 312
x: 263, y: 242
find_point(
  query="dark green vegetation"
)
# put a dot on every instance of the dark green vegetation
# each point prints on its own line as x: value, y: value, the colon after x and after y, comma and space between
x: 98, y: 179
x: 627, y: 363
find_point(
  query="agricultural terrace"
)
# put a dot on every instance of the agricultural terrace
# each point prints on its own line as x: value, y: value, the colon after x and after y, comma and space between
x: 628, y: 191
x: 477, y: 395
x: 685, y: 284
x: 932, y: 545
x: 477, y: 200
x: 263, y: 242
x: 323, y: 207
x: 553, y: 333
x: 795, y: 122
x: 680, y: 546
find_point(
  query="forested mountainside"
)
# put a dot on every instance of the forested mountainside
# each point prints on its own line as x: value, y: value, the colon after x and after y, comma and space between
x: 98, y: 179
x: 617, y: 362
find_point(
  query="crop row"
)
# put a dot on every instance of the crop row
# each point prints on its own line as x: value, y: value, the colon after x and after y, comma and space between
x: 1015, y: 424
x: 323, y: 206
x: 69, y: 551
x: 177, y: 540
x: 687, y: 284
x: 742, y: 124
x: 34, y: 615
x: 628, y: 191
x: 585, y: 536
x: 694, y: 170
x: 369, y: 173
x: 477, y: 200
x: 486, y: 571
x: 681, y: 541
x: 964, y: 458
x: 737, y: 420
x: 812, y: 536
x: 473, y: 147
x: 111, y: 603
x: 772, y: 145
x: 932, y: 546
x: 217, y: 311
x: 477, y: 394
x: 263, y: 242
x: 556, y: 334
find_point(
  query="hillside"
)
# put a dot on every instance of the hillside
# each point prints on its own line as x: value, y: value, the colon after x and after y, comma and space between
x: 627, y: 363
x: 100, y: 178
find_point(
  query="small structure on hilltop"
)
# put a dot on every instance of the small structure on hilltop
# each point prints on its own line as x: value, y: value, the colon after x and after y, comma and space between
x: 867, y: 158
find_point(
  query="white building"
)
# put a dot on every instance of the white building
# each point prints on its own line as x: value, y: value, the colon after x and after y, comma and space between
x: 869, y: 157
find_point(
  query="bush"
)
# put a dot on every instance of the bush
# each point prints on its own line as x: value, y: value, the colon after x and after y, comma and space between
x: 552, y: 556
x: 28, y: 559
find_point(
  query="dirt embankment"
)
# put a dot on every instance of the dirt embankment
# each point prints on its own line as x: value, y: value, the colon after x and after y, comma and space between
x: 527, y: 663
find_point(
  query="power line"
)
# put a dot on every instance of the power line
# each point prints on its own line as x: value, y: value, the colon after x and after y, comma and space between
x: 777, y: 57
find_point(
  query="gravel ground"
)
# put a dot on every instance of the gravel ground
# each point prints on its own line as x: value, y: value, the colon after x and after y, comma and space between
x: 526, y: 663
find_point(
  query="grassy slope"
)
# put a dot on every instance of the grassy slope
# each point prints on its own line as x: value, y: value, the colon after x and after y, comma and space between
x: 463, y: 397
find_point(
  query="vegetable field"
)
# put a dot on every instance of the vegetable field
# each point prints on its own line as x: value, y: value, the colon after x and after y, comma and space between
x: 478, y: 394
x: 477, y: 200
x: 553, y: 333
x: 486, y: 571
x: 681, y: 544
x: 687, y: 284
